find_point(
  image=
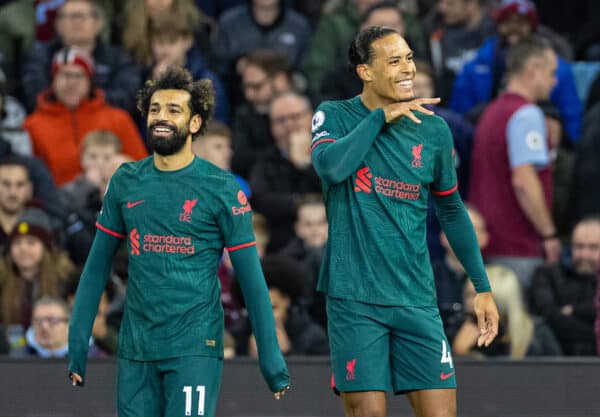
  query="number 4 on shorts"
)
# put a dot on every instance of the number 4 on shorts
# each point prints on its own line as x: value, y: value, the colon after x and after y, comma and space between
x: 188, y: 399
x: 446, y: 356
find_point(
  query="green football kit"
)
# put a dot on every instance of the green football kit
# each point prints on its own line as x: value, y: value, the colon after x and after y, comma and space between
x: 176, y: 225
x: 381, y: 302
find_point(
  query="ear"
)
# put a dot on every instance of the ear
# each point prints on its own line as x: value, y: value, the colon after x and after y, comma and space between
x: 364, y: 72
x: 195, y: 124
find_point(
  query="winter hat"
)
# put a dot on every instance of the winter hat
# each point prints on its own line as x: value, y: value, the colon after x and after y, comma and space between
x: 72, y: 55
x: 524, y: 8
x: 33, y: 222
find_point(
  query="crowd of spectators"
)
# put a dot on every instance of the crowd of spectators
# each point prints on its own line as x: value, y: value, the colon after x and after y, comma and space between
x: 519, y: 83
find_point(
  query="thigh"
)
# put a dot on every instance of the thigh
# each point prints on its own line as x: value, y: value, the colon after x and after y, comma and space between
x: 191, y: 385
x: 364, y: 403
x: 139, y: 389
x: 420, y: 353
x: 433, y: 402
x: 359, y: 345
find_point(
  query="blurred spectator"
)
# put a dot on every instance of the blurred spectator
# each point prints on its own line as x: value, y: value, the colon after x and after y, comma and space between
x: 283, y: 173
x: 215, y: 147
x: 563, y: 159
x: 511, y: 177
x: 258, y: 24
x: 78, y: 24
x: 33, y: 268
x: 70, y: 109
x: 339, y: 23
x: 483, y: 77
x: 521, y: 334
x: 585, y: 199
x: 48, y: 335
x: 297, y: 334
x: 137, y: 23
x: 264, y: 74
x: 450, y: 277
x: 12, y: 115
x: 341, y: 81
x: 597, y: 305
x: 307, y: 247
x: 173, y: 44
x: 564, y: 294
x: 15, y: 191
x: 84, y: 194
x: 105, y: 330
x: 456, y: 28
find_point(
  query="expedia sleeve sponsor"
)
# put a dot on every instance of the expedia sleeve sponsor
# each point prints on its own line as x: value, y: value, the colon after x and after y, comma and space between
x: 235, y: 217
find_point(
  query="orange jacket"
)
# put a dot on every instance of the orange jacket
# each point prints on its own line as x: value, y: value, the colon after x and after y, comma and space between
x: 57, y: 132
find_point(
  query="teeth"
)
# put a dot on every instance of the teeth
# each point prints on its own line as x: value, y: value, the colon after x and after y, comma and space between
x: 406, y: 83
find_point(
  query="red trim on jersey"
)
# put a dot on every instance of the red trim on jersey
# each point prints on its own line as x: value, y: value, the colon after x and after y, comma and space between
x: 447, y: 192
x: 242, y: 246
x: 321, y: 141
x: 110, y: 232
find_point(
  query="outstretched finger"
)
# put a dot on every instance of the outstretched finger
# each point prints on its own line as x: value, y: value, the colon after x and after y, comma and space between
x: 412, y: 117
x: 434, y: 100
x: 423, y: 110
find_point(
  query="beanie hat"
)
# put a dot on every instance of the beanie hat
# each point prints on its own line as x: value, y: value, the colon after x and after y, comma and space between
x: 524, y: 8
x: 33, y: 222
x: 73, y: 56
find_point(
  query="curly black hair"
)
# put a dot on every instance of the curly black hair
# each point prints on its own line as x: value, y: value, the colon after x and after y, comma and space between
x: 202, y: 93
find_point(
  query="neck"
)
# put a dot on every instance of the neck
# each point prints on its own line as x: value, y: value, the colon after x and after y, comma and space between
x: 266, y: 17
x: 87, y: 46
x: 474, y: 20
x: 176, y: 161
x: 454, y: 264
x: 521, y: 87
x: 29, y: 274
x: 373, y: 101
x: 8, y: 220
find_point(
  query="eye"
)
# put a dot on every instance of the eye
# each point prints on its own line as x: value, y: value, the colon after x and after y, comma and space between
x: 394, y: 62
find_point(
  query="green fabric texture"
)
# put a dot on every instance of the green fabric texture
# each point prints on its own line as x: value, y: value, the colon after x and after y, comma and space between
x: 458, y: 228
x: 339, y: 160
x: 256, y: 296
x: 92, y: 282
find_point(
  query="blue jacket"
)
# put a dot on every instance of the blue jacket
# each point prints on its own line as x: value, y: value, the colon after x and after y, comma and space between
x: 474, y: 86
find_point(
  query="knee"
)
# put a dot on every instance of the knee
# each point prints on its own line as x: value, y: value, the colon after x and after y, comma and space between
x: 364, y: 410
x: 448, y: 410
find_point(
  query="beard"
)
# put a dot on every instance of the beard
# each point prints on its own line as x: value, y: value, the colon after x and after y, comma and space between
x: 167, y: 145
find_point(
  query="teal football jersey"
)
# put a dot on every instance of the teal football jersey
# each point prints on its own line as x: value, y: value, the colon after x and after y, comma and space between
x: 376, y: 251
x: 176, y: 224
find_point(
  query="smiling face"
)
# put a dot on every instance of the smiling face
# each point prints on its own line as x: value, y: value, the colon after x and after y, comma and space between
x: 170, y: 121
x: 389, y: 76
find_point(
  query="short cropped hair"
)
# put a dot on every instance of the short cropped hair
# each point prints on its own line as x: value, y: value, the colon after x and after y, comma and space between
x: 101, y: 138
x: 361, y: 49
x: 519, y: 54
x: 202, y: 101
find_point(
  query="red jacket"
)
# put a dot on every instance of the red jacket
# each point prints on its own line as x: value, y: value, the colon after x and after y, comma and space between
x: 57, y: 132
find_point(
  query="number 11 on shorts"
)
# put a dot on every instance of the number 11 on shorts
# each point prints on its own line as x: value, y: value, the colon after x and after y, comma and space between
x: 201, y: 390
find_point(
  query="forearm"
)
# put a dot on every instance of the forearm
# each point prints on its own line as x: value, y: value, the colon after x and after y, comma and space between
x: 258, y: 304
x: 530, y: 196
x: 91, y: 284
x: 458, y: 228
x: 334, y: 162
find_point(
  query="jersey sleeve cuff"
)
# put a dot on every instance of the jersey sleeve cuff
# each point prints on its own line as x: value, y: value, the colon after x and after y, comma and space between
x: 320, y: 141
x: 110, y: 232
x: 241, y: 246
x: 447, y: 192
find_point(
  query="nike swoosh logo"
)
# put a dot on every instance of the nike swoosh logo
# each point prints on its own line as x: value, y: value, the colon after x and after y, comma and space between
x: 444, y: 376
x: 135, y: 203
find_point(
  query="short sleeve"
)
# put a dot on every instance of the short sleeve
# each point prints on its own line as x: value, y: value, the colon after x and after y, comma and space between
x: 526, y: 137
x: 445, y: 181
x: 235, y: 217
x: 325, y: 126
x: 110, y: 219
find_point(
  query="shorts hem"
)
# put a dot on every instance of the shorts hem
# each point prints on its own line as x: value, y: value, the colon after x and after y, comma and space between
x: 423, y: 387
